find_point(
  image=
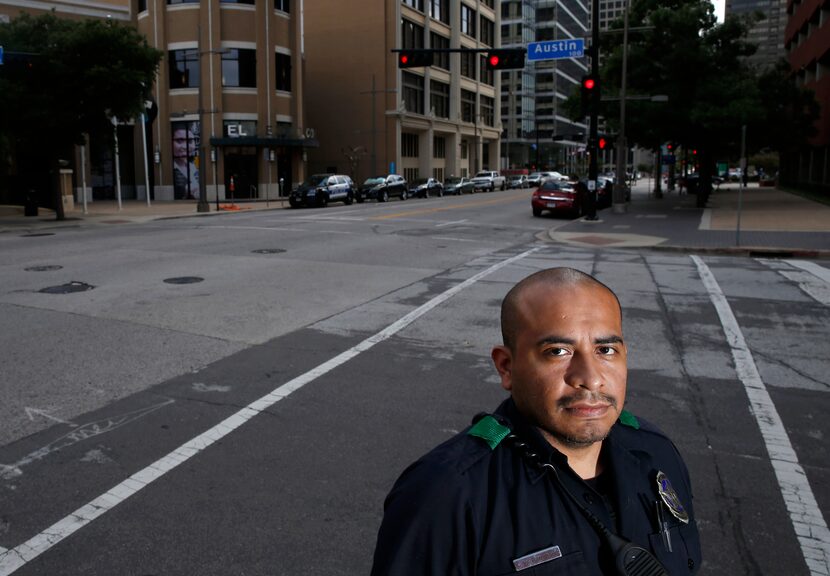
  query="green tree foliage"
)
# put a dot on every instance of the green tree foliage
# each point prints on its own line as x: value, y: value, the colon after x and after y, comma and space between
x: 63, y: 78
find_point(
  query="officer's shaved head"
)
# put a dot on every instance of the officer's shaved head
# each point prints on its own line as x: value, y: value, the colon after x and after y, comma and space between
x: 553, y: 278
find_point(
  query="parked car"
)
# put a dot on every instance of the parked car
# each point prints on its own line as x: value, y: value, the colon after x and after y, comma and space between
x: 558, y: 198
x: 320, y: 189
x: 556, y: 176
x: 535, y: 179
x: 382, y: 188
x: 519, y: 181
x: 489, y: 180
x: 426, y: 187
x: 458, y: 185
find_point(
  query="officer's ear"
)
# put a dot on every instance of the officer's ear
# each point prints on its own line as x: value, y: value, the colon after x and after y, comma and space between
x: 503, y: 361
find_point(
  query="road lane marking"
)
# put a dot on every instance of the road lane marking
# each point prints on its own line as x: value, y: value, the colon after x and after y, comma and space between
x: 15, y: 558
x: 805, y: 515
x: 451, y: 223
x: 808, y: 278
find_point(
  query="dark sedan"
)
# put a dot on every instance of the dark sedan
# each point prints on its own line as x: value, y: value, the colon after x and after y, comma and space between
x: 426, y: 187
x: 558, y: 198
x: 382, y: 188
x: 456, y: 186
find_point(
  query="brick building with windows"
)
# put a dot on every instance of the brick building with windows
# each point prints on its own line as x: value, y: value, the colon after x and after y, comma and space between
x: 373, y: 118
x: 238, y: 62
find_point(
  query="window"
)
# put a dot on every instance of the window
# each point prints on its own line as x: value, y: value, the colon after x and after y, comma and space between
x: 468, y: 20
x: 409, y: 145
x: 413, y: 92
x: 236, y: 1
x: 464, y: 152
x: 284, y: 5
x: 438, y: 174
x: 417, y: 4
x: 488, y: 106
x: 440, y: 10
x: 184, y: 68
x: 487, y: 76
x: 487, y: 32
x: 488, y: 3
x: 142, y: 5
x: 412, y: 34
x: 410, y: 174
x: 283, y: 71
x: 468, y: 64
x: 239, y: 68
x: 442, y: 59
x: 172, y: 2
x: 439, y: 98
x: 468, y: 106
x: 439, y: 147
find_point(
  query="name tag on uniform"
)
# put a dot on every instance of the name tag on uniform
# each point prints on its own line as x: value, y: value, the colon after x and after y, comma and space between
x: 536, y: 558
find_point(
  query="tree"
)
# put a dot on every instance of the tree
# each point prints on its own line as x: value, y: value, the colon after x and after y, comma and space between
x: 65, y: 79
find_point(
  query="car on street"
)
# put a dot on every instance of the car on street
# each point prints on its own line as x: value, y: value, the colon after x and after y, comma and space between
x: 489, y: 180
x: 382, y: 188
x: 518, y: 181
x: 320, y: 189
x: 558, y: 198
x: 426, y: 187
x: 458, y: 185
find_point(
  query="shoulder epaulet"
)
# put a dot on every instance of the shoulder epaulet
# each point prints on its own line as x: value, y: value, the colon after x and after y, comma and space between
x: 629, y: 419
x: 490, y: 430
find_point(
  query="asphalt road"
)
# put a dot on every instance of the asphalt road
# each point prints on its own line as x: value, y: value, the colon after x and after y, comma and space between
x: 252, y: 422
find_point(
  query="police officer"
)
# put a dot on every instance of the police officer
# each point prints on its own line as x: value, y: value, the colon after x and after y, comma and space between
x: 560, y: 479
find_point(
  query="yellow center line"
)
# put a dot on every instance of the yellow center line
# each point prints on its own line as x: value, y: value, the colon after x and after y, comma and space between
x: 465, y: 205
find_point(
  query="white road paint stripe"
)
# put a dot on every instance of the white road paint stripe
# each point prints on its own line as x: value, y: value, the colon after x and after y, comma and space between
x: 11, y: 560
x: 450, y: 239
x: 807, y: 278
x: 451, y: 223
x: 805, y: 515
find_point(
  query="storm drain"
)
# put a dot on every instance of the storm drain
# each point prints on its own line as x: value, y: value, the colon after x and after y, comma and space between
x: 35, y: 235
x: 268, y: 251
x: 184, y: 280
x: 46, y: 268
x: 67, y: 288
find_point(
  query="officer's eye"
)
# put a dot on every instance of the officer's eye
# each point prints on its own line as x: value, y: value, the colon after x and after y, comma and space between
x: 607, y: 350
x: 556, y: 351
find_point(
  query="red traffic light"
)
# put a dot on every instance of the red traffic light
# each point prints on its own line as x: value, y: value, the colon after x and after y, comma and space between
x: 404, y: 59
x: 494, y: 60
x: 588, y: 83
x: 603, y: 143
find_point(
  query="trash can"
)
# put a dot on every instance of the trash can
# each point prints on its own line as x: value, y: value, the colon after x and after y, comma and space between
x: 30, y: 205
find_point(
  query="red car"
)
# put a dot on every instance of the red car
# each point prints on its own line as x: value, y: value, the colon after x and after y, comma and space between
x: 558, y: 198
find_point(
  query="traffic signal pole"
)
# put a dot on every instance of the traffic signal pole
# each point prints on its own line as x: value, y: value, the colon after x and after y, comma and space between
x: 593, y: 148
x: 618, y: 196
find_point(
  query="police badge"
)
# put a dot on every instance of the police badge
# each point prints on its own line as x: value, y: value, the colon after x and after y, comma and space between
x: 670, y: 498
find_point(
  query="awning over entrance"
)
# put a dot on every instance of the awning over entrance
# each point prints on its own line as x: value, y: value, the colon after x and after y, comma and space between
x: 267, y: 142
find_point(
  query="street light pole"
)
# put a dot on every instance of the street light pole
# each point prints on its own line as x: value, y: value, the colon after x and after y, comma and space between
x: 595, y: 100
x: 202, y: 205
x: 618, y: 196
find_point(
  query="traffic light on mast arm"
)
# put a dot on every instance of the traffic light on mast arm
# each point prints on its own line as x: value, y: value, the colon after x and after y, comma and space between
x: 587, y: 89
x: 506, y: 59
x: 415, y: 58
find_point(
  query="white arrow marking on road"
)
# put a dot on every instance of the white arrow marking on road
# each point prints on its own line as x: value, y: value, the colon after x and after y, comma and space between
x: 20, y: 555
x: 805, y: 515
x: 32, y: 412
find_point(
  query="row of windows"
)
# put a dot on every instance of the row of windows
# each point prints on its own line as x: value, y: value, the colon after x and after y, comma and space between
x: 438, y: 9
x: 238, y: 69
x: 412, y: 37
x: 282, y: 5
x: 439, y: 100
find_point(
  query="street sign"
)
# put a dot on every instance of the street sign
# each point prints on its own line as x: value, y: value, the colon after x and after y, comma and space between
x: 556, y: 49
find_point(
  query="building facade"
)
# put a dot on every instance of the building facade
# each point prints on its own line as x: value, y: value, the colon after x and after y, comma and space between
x: 767, y: 33
x: 229, y: 92
x: 538, y: 133
x: 807, y: 44
x: 373, y: 118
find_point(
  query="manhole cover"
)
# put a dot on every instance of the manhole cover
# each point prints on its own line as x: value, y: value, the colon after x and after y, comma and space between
x: 37, y: 234
x: 46, y: 268
x: 268, y: 251
x: 183, y: 280
x: 68, y: 288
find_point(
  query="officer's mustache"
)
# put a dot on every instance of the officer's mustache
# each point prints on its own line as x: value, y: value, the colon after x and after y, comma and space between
x: 587, y: 397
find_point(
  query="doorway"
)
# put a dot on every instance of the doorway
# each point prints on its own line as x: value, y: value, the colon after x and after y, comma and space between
x: 241, y: 174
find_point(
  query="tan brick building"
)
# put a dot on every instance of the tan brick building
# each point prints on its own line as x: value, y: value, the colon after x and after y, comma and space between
x: 372, y: 117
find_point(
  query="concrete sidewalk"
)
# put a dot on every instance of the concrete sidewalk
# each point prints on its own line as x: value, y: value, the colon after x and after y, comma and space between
x: 772, y: 222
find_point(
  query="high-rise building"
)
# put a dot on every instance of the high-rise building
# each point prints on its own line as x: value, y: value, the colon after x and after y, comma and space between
x: 231, y: 84
x: 807, y: 43
x: 372, y: 117
x: 538, y: 132
x: 767, y: 32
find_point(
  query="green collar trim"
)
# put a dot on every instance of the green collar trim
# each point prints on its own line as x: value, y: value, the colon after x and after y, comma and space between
x: 490, y: 430
x: 629, y: 419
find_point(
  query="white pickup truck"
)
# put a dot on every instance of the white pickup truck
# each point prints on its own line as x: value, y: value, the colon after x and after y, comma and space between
x: 489, y: 180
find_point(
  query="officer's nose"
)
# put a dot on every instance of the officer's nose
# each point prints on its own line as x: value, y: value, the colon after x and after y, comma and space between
x: 583, y: 372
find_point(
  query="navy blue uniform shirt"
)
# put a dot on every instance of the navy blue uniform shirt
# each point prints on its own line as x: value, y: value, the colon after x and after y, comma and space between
x: 466, y: 509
